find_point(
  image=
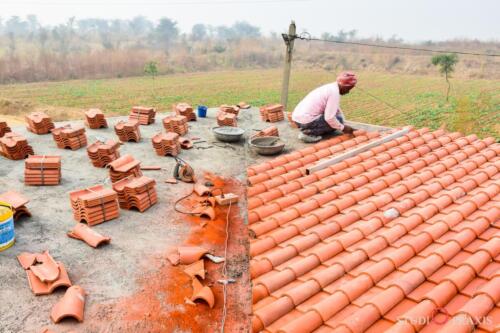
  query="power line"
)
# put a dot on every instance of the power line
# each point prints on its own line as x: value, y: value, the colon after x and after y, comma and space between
x: 307, y: 37
x: 159, y: 3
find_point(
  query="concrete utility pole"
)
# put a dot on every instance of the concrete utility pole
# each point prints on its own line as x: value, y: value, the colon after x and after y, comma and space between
x: 289, y: 41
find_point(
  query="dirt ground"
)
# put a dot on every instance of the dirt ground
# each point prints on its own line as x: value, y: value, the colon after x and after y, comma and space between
x: 131, y: 285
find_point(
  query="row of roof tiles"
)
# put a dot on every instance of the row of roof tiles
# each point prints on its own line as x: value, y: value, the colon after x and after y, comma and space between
x: 395, y: 238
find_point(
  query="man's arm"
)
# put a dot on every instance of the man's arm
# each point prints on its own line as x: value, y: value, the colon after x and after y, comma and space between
x: 331, y: 109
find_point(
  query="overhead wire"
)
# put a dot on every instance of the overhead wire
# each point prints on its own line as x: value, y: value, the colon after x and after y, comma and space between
x: 307, y: 37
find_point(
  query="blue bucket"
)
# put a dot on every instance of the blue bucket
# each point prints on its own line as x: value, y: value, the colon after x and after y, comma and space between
x: 7, y: 235
x: 202, y: 111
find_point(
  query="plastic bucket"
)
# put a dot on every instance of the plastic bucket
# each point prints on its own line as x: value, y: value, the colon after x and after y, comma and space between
x: 7, y: 235
x: 202, y: 111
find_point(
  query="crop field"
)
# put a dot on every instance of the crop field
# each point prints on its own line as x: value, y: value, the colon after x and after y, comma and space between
x: 473, y: 107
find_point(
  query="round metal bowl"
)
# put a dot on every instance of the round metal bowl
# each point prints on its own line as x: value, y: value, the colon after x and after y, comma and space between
x: 228, y: 133
x: 267, y: 145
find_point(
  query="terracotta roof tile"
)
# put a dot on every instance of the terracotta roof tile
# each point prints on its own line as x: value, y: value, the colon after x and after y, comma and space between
x: 380, y: 240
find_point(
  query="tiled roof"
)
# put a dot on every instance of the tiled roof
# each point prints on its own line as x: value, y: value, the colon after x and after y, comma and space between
x: 402, y: 237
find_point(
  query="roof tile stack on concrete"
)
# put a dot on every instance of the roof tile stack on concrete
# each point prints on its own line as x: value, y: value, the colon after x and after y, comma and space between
x: 39, y: 123
x: 143, y: 114
x: 269, y: 131
x: 400, y: 238
x: 94, y: 205
x: 103, y: 153
x: 176, y: 124
x: 136, y: 192
x: 128, y: 131
x: 18, y: 203
x: 272, y: 113
x: 234, y: 109
x: 14, y: 146
x: 42, y: 170
x: 94, y: 118
x: 166, y: 144
x: 70, y: 137
x: 123, y: 167
x: 4, y: 128
x: 184, y: 109
x: 226, y: 119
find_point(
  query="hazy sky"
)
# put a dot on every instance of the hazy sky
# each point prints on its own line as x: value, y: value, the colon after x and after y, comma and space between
x: 415, y: 20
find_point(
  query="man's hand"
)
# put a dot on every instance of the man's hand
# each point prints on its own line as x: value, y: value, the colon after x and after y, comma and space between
x: 348, y: 129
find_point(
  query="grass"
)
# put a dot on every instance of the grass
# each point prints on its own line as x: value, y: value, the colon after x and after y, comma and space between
x: 416, y: 100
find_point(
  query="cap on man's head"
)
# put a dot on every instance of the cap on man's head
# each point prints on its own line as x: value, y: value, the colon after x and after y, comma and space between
x: 347, y: 79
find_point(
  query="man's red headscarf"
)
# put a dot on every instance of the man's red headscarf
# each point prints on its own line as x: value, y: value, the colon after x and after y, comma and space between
x: 347, y: 79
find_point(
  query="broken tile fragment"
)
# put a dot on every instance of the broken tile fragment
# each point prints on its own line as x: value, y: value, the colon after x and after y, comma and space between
x: 202, y: 293
x: 196, y: 269
x: 45, y: 267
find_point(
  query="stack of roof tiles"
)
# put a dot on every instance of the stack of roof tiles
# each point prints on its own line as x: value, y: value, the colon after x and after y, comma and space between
x: 136, y: 192
x: 166, y: 144
x: 144, y: 115
x: 272, y: 113
x: 70, y: 137
x: 128, y: 131
x: 94, y: 118
x: 94, y: 205
x: 123, y: 167
x: 234, y: 109
x: 39, y: 123
x: 4, y: 128
x: 401, y: 238
x: 226, y: 119
x: 269, y: 131
x: 42, y: 170
x: 184, y: 109
x: 18, y: 203
x: 176, y: 124
x: 14, y: 146
x: 103, y: 153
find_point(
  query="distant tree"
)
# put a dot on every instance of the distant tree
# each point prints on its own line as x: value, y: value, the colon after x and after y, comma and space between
x: 352, y: 34
x: 446, y: 63
x: 166, y: 32
x: 151, y: 68
x: 12, y: 43
x: 17, y: 26
x: 327, y: 36
x: 342, y: 35
x: 33, y: 23
x: 245, y: 30
x: 140, y: 25
x: 43, y: 37
x: 225, y: 33
x: 198, y: 32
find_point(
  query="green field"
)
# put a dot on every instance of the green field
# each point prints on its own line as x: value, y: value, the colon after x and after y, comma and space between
x: 474, y: 105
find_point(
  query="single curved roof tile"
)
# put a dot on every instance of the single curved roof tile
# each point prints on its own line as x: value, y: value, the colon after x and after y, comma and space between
x: 85, y: 233
x: 71, y: 305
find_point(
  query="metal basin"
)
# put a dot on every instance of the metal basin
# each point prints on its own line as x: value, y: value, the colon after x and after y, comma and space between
x: 228, y: 133
x: 267, y: 145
